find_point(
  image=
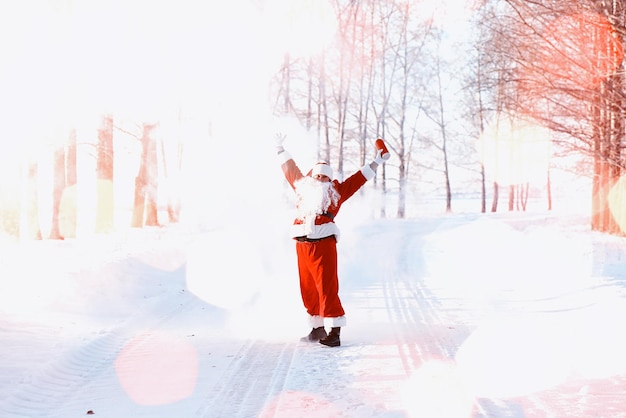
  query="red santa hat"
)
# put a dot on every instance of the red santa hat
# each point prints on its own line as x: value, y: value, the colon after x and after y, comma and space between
x: 322, y: 168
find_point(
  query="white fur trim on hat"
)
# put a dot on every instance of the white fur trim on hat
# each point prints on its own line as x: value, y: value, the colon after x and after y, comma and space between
x: 322, y: 168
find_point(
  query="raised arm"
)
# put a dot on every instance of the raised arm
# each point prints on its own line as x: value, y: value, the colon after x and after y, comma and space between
x: 288, y: 165
x: 279, y: 140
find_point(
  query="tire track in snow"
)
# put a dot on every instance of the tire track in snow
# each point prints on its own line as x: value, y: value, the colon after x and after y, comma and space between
x: 413, y: 310
x: 424, y: 339
x: 74, y: 374
x: 52, y: 386
x: 255, y: 376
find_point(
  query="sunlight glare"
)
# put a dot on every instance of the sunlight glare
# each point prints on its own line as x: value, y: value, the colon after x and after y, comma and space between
x: 617, y: 202
x: 217, y: 273
x: 452, y: 14
x: 515, y: 151
x: 483, y: 272
x: 31, y: 283
x: 514, y: 357
x: 303, y: 27
x: 437, y: 389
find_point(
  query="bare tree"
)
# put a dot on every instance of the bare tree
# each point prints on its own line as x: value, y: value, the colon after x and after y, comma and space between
x: 105, y: 205
x: 436, y: 112
x: 571, y: 78
x: 63, y: 223
x: 172, y: 163
x: 397, y: 82
x: 145, y: 211
x: 29, y: 206
x: 479, y: 88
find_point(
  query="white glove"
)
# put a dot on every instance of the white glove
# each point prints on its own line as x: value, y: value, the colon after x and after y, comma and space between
x: 380, y: 159
x: 279, y: 139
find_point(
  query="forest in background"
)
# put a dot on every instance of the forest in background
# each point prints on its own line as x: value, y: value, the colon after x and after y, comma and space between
x: 110, y: 108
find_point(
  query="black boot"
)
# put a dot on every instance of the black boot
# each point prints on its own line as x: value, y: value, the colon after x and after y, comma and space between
x: 332, y: 340
x: 315, y: 335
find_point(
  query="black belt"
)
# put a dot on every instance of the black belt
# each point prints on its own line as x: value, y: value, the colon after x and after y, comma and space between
x: 328, y: 215
x: 306, y: 239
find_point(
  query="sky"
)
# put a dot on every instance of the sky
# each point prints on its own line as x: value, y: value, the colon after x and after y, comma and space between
x: 65, y: 63
x: 462, y: 315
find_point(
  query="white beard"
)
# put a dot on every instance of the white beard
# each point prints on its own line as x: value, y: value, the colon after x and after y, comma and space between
x: 313, y: 198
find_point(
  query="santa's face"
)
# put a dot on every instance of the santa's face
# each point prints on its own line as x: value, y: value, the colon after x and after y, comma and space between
x: 321, y: 177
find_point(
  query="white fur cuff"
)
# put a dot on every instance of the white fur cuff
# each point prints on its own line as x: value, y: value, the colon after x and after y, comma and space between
x: 316, y: 321
x: 283, y: 157
x: 367, y: 172
x: 338, y: 321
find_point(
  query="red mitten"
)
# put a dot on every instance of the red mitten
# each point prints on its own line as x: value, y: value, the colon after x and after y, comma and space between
x: 384, y: 152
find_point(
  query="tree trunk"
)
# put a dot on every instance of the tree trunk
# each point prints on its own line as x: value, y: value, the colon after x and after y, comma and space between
x: 152, y: 190
x: 483, y: 190
x: 173, y: 198
x: 524, y: 189
x: 105, y: 206
x: 496, y: 196
x: 448, y: 190
x: 549, y: 190
x: 68, y: 215
x: 145, y: 204
x: 29, y: 210
x: 58, y: 183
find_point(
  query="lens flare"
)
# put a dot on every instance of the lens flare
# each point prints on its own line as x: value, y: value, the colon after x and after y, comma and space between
x: 617, y: 202
x: 515, y: 150
x: 157, y: 369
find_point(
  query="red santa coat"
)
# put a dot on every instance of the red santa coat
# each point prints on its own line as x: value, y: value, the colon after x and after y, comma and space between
x: 324, y: 225
x: 317, y: 261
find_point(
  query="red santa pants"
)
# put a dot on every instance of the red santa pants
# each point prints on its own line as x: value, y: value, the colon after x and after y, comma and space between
x: 319, y: 283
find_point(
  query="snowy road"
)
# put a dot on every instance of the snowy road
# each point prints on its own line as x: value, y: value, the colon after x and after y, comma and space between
x: 525, y: 321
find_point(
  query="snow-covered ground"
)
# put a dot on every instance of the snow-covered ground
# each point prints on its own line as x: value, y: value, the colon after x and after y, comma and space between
x: 467, y: 315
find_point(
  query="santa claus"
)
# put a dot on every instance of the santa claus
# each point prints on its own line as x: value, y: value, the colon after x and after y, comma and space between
x: 318, y: 200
